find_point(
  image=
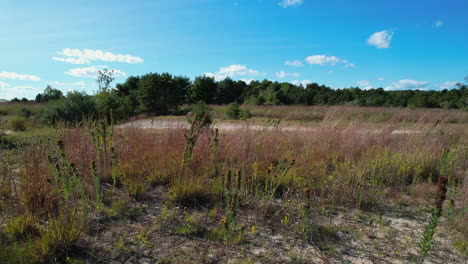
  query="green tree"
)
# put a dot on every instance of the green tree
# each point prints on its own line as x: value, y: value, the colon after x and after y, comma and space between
x: 204, y: 89
x: 160, y: 93
x: 49, y: 94
x: 109, y: 104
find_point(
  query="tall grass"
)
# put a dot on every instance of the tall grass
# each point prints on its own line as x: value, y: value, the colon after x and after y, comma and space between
x: 339, y: 163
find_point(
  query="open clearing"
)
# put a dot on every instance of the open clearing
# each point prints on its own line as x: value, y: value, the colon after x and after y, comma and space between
x: 177, y: 123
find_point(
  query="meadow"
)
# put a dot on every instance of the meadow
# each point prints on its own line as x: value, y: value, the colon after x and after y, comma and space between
x: 349, y: 185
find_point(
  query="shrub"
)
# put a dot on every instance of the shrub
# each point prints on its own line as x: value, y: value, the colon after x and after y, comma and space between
x: 245, y: 114
x: 76, y: 107
x: 21, y: 227
x: 25, y: 112
x: 7, y: 143
x: 201, y: 109
x: 233, y: 111
x: 17, y: 124
x: 112, y: 107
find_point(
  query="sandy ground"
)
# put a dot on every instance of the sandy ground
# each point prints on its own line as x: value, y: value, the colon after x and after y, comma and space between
x: 245, y: 125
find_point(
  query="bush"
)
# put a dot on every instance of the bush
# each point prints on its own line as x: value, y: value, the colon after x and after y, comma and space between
x: 17, y: 124
x: 76, y: 107
x: 233, y: 111
x: 25, y: 112
x: 112, y: 107
x: 201, y: 109
x: 245, y: 114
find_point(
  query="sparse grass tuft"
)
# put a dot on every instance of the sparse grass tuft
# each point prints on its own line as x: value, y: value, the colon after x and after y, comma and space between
x: 58, y: 235
x: 191, y: 193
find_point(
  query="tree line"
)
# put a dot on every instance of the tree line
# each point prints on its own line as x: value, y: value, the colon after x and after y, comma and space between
x: 163, y: 94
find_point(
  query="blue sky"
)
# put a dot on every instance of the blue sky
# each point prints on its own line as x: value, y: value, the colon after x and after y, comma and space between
x: 392, y: 44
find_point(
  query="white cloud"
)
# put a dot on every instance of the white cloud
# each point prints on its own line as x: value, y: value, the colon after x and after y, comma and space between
x: 294, y: 63
x: 92, y: 72
x: 438, y: 23
x: 288, y: 3
x: 25, y: 88
x: 16, y: 76
x: 364, y: 85
x: 86, y: 56
x: 303, y: 82
x: 282, y: 74
x: 57, y: 83
x: 381, y: 39
x: 19, y: 91
x: 3, y: 84
x: 381, y: 79
x: 330, y: 72
x: 322, y: 60
x: 234, y: 70
x: 408, y: 85
x: 328, y: 60
x: 447, y: 85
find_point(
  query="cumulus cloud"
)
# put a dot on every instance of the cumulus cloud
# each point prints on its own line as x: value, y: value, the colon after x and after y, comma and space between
x: 234, y: 70
x: 17, y: 76
x: 330, y: 72
x: 86, y: 56
x: 327, y: 60
x: 283, y: 74
x: 92, y: 72
x: 288, y: 3
x: 381, y: 79
x: 447, y: 85
x: 364, y: 85
x: 381, y: 39
x: 438, y: 23
x: 294, y: 63
x: 303, y: 82
x: 408, y: 85
x: 322, y: 60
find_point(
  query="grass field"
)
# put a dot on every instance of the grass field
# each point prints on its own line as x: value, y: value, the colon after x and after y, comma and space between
x: 343, y: 187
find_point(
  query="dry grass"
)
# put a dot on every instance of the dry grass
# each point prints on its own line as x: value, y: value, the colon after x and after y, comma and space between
x: 340, y: 163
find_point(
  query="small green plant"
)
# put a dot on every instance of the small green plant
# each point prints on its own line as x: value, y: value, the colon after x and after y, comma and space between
x: 133, y: 181
x: 231, y: 198
x: 233, y: 111
x: 276, y: 176
x: 426, y: 239
x: 59, y: 234
x: 17, y: 124
x: 66, y: 180
x: 25, y: 112
x: 103, y: 143
x: 143, y: 239
x: 190, y: 192
x: 198, y: 123
x: 190, y: 225
x: 22, y: 227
